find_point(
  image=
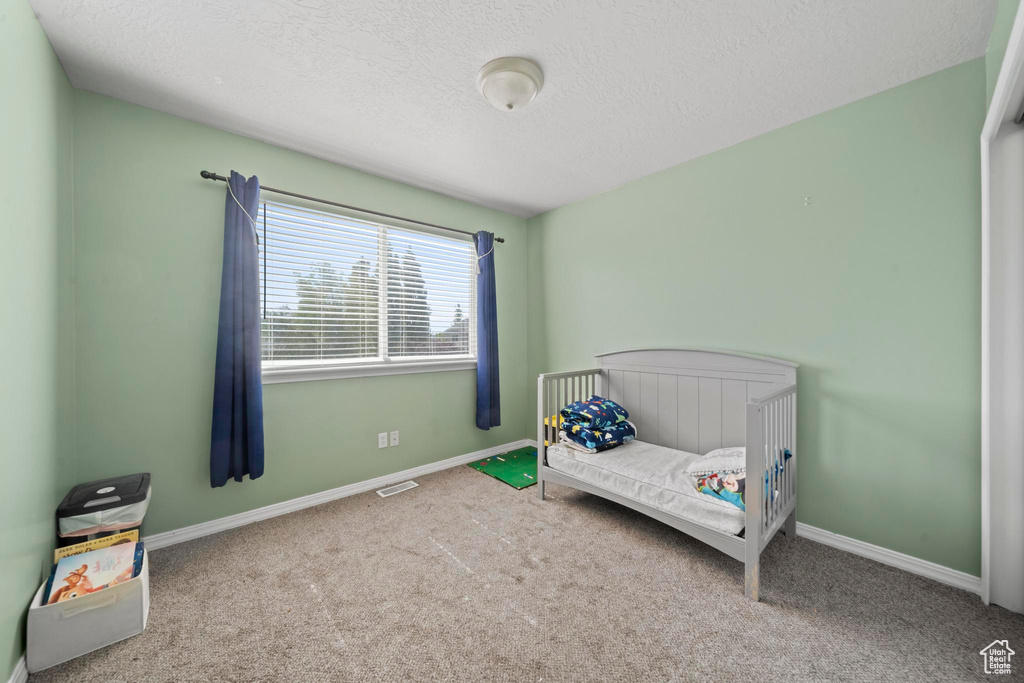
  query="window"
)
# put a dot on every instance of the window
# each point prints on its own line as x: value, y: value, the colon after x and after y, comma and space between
x: 347, y: 297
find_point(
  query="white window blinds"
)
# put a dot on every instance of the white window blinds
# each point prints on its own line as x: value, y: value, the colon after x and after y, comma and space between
x: 341, y: 291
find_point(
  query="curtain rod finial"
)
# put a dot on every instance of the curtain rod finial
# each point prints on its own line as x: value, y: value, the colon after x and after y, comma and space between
x: 206, y: 175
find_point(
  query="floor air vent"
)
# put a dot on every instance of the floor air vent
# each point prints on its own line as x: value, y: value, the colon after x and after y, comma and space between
x: 397, y: 488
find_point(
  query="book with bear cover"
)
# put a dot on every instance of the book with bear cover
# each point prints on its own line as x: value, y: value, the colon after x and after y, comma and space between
x: 90, y: 572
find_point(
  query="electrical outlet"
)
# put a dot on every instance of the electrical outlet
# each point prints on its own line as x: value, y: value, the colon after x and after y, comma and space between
x: 382, y: 440
x: 394, y: 438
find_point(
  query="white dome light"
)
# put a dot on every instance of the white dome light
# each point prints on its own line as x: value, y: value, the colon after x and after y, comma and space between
x: 510, y: 82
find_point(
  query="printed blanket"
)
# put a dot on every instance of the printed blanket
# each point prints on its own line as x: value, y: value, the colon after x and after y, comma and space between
x: 600, y: 438
x: 595, y: 412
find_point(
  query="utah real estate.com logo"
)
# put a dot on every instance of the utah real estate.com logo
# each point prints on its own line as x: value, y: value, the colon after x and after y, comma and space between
x: 997, y: 657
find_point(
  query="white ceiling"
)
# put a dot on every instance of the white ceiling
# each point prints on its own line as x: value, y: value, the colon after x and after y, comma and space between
x: 388, y: 86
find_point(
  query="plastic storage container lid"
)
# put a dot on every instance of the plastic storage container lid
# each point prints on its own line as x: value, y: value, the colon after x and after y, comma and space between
x: 104, y: 494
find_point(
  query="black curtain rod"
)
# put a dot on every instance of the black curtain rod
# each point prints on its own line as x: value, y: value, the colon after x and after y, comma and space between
x: 213, y: 176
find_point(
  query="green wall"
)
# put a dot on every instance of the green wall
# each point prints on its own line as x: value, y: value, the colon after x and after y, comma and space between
x: 871, y: 284
x: 1006, y: 12
x: 149, y: 232
x: 35, y: 276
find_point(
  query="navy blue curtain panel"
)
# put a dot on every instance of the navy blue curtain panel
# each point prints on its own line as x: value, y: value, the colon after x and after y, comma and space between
x: 488, y: 395
x: 236, y: 442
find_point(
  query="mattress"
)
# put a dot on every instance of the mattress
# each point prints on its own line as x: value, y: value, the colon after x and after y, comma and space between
x: 649, y: 474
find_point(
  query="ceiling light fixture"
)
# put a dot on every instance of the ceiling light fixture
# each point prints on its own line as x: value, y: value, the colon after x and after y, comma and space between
x: 510, y: 82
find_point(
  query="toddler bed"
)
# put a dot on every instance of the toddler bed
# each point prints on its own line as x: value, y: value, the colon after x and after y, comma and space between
x: 685, y: 403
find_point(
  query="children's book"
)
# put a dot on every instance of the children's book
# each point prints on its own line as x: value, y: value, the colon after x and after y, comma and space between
x: 49, y: 583
x: 131, y: 536
x: 92, y: 571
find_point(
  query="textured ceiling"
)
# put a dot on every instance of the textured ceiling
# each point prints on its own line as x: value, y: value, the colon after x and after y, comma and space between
x: 386, y: 86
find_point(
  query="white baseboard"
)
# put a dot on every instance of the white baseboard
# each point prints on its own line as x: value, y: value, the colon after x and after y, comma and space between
x: 241, y: 519
x: 20, y: 673
x: 909, y: 563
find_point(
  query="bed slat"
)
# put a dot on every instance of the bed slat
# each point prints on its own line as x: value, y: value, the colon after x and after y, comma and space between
x: 709, y: 435
x: 668, y: 411
x: 615, y: 383
x: 689, y: 415
x: 648, y: 424
x: 734, y: 418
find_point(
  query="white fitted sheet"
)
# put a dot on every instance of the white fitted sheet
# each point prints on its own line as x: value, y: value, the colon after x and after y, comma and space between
x: 649, y: 474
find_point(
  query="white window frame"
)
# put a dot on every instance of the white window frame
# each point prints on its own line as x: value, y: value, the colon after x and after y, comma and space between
x: 304, y: 371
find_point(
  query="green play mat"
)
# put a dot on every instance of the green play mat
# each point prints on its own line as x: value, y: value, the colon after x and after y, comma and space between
x: 516, y: 468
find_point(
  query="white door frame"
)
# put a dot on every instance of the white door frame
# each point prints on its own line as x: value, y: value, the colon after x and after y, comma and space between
x: 1002, y: 335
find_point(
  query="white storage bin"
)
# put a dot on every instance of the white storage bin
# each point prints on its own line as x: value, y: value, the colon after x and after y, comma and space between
x: 65, y: 630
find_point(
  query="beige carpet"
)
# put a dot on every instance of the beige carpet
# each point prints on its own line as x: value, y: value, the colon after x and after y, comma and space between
x: 467, y: 579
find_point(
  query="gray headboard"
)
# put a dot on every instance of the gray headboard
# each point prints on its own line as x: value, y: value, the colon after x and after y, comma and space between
x: 691, y: 399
